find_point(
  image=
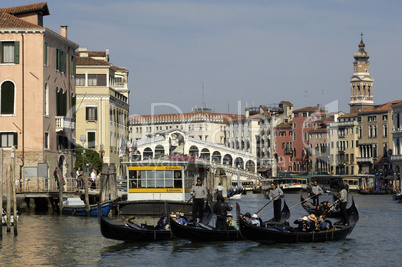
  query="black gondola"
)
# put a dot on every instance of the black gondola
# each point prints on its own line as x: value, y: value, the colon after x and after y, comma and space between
x: 202, y: 232
x: 286, y: 234
x: 309, y: 207
x: 132, y: 232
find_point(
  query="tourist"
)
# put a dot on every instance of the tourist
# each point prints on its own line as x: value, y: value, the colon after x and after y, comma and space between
x: 93, y: 178
x: 199, y: 193
x: 313, y: 222
x: 219, y: 189
x: 180, y: 220
x: 163, y: 221
x: 220, y: 209
x: 131, y: 219
x: 322, y: 224
x: 276, y: 194
x: 247, y: 217
x: 316, y: 190
x: 303, y: 223
x: 255, y: 220
x: 79, y: 178
x: 231, y: 224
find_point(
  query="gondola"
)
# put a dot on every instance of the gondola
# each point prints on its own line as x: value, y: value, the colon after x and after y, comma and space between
x: 132, y: 232
x: 312, y: 210
x: 285, y: 215
x: 202, y: 232
x: 286, y: 234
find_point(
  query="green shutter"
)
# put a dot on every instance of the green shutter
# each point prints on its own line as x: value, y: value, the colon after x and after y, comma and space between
x: 16, y: 52
x: 1, y: 52
x: 74, y: 65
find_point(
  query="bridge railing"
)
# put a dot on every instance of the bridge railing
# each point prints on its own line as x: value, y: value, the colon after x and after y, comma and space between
x: 41, y: 184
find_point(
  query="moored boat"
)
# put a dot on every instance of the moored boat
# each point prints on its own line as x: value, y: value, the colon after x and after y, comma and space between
x: 286, y: 234
x: 132, y: 232
x: 4, y: 218
x: 311, y: 209
x: 80, y: 209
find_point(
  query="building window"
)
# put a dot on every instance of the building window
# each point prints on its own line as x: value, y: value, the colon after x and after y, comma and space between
x: 10, y: 52
x: 46, y: 99
x: 46, y: 140
x: 91, y: 139
x: 8, y: 140
x: 91, y: 113
x: 45, y: 54
x: 92, y: 81
x: 385, y: 130
x: 80, y: 80
x: 7, y: 97
x: 384, y: 117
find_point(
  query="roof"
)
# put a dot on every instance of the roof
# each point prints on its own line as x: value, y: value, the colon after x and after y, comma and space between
x: 10, y: 21
x: 348, y: 115
x: 91, y: 53
x: 310, y: 109
x: 284, y: 125
x: 88, y: 61
x: 287, y: 103
x: 382, y: 107
x: 27, y: 8
x: 119, y: 68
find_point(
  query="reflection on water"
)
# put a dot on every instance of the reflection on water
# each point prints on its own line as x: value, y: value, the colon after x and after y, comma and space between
x: 74, y: 241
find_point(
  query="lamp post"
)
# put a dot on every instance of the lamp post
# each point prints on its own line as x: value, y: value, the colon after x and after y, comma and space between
x: 83, y: 139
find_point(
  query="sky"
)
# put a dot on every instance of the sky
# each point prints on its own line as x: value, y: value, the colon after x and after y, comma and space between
x: 231, y: 54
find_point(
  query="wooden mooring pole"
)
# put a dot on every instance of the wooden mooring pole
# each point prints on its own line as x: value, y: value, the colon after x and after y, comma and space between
x: 87, y: 170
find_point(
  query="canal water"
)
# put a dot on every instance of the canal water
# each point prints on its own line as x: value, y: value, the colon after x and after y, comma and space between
x: 74, y: 241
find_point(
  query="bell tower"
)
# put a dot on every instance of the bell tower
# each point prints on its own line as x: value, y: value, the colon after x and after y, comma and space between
x: 361, y: 83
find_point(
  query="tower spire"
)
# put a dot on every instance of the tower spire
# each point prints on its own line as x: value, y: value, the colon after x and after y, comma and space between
x: 361, y: 83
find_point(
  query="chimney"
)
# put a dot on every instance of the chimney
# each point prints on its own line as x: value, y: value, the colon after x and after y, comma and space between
x: 63, y: 31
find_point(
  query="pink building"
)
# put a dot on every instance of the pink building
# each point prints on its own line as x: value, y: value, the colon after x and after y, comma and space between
x: 37, y: 83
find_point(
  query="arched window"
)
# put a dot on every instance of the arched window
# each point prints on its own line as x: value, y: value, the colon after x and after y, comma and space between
x: 7, y: 98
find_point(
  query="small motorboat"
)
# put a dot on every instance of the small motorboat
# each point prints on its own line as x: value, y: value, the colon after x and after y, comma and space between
x: 75, y: 206
x: 4, y: 218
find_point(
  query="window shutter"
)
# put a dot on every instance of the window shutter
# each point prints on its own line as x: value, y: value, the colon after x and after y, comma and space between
x: 16, y: 140
x: 74, y: 65
x: 96, y: 113
x: 45, y: 53
x: 1, y: 54
x: 86, y: 113
x: 16, y: 52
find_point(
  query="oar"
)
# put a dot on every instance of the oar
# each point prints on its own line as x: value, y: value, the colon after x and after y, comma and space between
x: 185, y: 204
x: 303, y: 201
x: 266, y: 204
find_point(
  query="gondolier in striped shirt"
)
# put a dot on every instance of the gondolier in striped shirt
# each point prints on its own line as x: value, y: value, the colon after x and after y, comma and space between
x: 276, y: 194
x: 199, y: 193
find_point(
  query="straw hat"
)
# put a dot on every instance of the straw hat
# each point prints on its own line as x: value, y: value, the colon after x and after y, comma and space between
x: 312, y: 217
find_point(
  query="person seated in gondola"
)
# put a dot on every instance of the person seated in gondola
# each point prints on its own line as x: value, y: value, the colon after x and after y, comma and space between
x: 322, y: 224
x: 131, y: 219
x: 163, y: 221
x: 180, y: 219
x: 313, y: 222
x: 255, y: 220
x: 304, y: 225
x: 231, y: 224
x: 247, y: 217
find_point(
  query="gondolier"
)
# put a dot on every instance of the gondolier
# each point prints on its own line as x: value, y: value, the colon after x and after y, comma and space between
x: 199, y: 193
x: 276, y: 194
x: 316, y: 190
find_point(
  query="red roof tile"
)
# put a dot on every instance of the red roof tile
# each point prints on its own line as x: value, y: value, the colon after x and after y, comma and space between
x: 287, y: 103
x: 349, y: 115
x: 382, y: 107
x: 88, y: 61
x: 91, y: 53
x: 10, y: 21
x: 27, y: 8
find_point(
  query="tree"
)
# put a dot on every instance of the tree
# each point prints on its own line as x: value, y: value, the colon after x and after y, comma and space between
x: 91, y: 156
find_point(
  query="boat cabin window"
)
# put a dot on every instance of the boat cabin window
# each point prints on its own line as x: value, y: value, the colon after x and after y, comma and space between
x: 155, y: 179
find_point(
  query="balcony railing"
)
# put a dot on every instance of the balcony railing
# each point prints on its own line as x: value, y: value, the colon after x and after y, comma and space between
x: 396, y: 157
x: 120, y: 85
x: 63, y: 123
x: 361, y: 159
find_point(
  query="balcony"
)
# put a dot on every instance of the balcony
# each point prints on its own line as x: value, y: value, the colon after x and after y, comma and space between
x: 121, y: 85
x: 396, y: 157
x: 362, y: 160
x: 288, y: 151
x: 64, y: 123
